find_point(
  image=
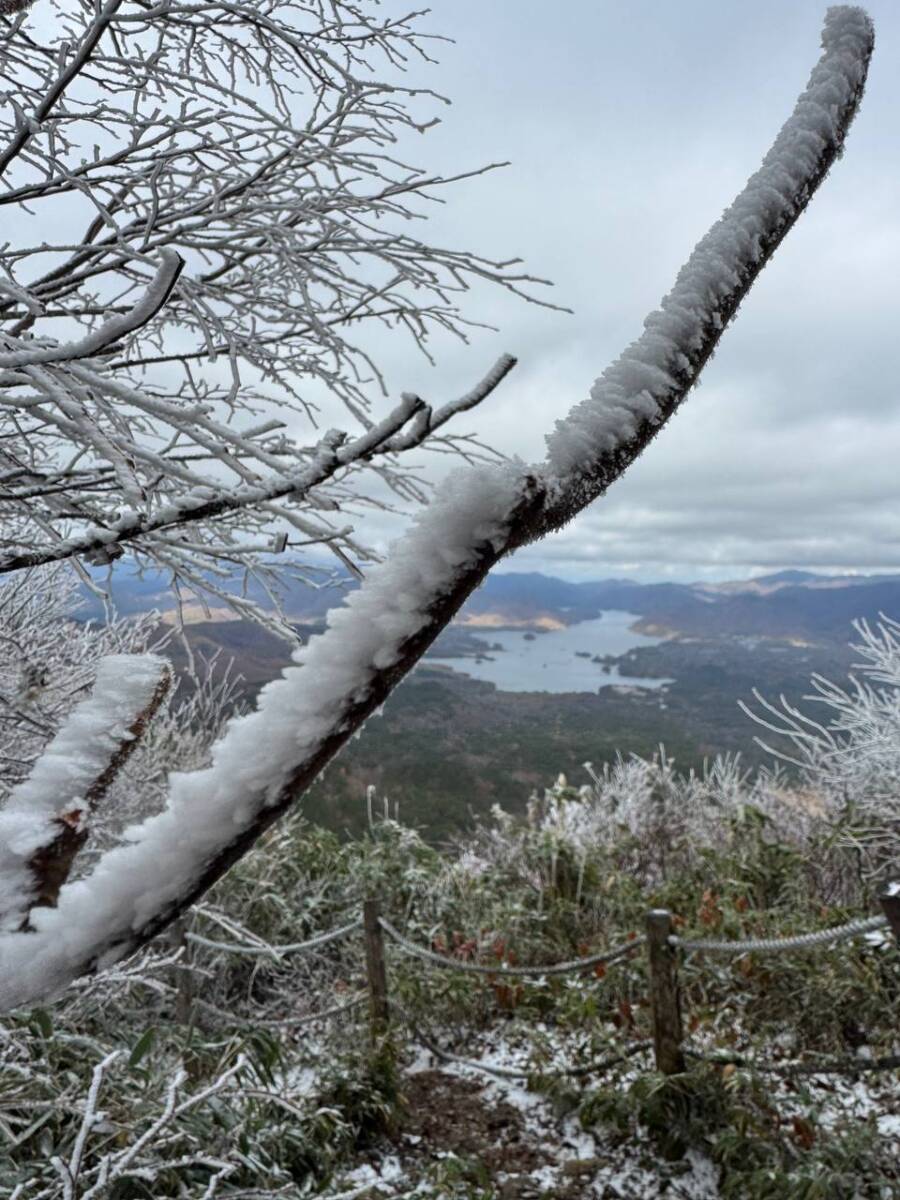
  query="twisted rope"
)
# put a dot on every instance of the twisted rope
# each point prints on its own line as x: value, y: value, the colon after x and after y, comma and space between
x: 321, y: 939
x: 802, y: 941
x: 564, y: 968
x: 602, y: 1064
x: 283, y: 1022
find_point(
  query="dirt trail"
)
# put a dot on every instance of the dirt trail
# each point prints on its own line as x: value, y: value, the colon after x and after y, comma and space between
x: 452, y: 1115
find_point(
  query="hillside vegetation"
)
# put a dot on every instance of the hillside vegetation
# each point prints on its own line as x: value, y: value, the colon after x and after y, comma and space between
x: 208, y: 1080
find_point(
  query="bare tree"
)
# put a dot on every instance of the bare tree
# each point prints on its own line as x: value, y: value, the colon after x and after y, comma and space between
x: 268, y: 758
x: 205, y: 202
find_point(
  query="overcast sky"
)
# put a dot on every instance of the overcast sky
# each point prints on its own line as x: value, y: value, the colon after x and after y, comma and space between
x: 629, y: 128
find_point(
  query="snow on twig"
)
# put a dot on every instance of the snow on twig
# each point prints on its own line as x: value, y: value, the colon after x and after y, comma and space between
x: 45, y: 819
x: 118, y: 326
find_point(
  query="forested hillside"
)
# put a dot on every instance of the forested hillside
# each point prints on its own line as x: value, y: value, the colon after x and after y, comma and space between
x: 448, y: 747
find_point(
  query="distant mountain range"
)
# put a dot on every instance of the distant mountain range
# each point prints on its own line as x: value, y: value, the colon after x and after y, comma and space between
x: 789, y: 604
x: 796, y: 605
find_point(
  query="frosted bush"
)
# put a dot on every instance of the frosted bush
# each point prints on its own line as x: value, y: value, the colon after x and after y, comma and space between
x: 848, y: 752
x: 646, y: 815
x: 643, y: 816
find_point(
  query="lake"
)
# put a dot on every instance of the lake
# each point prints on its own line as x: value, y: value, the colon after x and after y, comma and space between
x: 549, y: 662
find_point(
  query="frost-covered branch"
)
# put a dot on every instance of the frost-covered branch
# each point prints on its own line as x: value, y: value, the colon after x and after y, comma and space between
x: 27, y: 125
x: 45, y: 820
x: 268, y: 758
x: 427, y: 420
x: 407, y: 427
x: 140, y: 1156
x: 117, y: 327
x: 216, y: 191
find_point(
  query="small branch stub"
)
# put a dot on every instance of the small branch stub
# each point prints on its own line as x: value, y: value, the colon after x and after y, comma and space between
x: 375, y: 969
x: 664, y: 997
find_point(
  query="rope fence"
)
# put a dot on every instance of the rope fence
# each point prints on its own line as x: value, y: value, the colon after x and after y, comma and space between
x: 833, y: 1066
x: 277, y: 952
x: 663, y: 948
x: 325, y: 1014
x: 802, y: 941
x: 504, y: 968
x: 594, y: 1068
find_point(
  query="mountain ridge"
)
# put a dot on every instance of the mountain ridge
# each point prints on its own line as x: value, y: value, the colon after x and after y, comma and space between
x: 788, y: 604
x: 791, y: 605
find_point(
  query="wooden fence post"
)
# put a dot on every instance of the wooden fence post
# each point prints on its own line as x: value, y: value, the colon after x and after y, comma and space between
x: 375, y: 968
x: 182, y: 974
x: 890, y: 902
x: 664, y: 998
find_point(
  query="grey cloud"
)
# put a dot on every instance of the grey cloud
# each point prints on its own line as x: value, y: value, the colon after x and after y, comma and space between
x: 630, y: 128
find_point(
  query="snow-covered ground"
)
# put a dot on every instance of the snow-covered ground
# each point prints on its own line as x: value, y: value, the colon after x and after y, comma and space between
x: 555, y: 1155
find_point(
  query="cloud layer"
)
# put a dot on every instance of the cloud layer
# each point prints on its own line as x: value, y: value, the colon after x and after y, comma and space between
x: 629, y: 129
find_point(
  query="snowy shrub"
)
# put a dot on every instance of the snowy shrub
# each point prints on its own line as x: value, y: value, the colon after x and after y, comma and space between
x: 846, y: 748
x: 49, y: 659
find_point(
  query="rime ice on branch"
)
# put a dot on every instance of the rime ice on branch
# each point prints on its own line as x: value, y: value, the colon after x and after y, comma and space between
x: 45, y: 819
x: 651, y: 376
x: 266, y: 760
x: 207, y: 205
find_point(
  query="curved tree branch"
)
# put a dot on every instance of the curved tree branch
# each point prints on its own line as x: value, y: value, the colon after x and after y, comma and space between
x: 111, y: 331
x: 268, y: 759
